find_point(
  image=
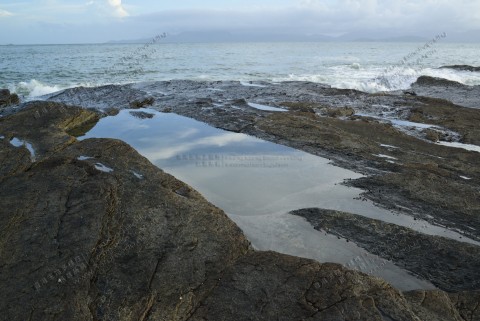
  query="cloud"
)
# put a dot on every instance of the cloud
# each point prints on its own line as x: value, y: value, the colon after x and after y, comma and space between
x: 5, y: 13
x: 225, y: 139
x: 119, y: 10
x: 328, y: 17
x: 410, y: 15
x: 143, y: 18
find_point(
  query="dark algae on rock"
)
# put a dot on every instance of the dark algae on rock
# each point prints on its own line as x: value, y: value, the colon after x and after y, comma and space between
x: 91, y: 230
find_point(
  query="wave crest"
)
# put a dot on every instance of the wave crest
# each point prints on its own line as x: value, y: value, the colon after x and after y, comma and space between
x: 33, y: 88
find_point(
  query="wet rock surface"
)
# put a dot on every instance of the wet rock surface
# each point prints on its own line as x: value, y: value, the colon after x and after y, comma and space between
x: 390, y: 137
x: 453, y: 91
x: 439, y: 306
x: 141, y: 114
x: 462, y: 68
x: 300, y: 289
x: 83, y: 238
x: 450, y: 265
x: 90, y: 230
x: 7, y: 98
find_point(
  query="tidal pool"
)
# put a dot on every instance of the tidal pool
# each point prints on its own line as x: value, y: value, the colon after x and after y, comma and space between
x: 257, y: 183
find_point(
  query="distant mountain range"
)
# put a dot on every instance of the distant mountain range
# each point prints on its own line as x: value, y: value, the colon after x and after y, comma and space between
x: 227, y: 36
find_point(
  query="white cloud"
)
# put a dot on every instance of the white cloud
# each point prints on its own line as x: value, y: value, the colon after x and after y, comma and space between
x: 226, y: 139
x: 119, y: 10
x: 399, y: 14
x: 375, y: 18
x: 5, y: 13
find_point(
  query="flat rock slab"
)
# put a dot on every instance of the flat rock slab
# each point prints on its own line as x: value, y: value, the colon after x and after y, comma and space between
x: 388, y: 136
x: 90, y: 230
x: 453, y: 91
x: 448, y: 264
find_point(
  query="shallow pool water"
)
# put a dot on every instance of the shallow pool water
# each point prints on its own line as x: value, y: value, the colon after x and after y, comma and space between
x: 265, y: 107
x: 469, y: 147
x: 19, y: 143
x: 257, y: 183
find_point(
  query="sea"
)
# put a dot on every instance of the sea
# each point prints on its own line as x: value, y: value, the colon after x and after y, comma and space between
x: 35, y: 70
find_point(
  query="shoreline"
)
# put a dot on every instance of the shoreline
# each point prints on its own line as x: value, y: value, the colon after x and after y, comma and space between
x: 196, y: 100
x: 406, y: 171
x: 190, y: 260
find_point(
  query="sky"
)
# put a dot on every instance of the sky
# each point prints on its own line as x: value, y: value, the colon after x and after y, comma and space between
x: 92, y: 21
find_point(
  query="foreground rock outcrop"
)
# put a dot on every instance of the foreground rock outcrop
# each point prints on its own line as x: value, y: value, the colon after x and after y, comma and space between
x: 90, y: 230
x: 7, y: 98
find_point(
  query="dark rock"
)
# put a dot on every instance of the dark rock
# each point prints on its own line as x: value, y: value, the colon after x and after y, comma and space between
x: 79, y: 243
x: 239, y: 102
x: 7, y: 99
x: 303, y: 107
x: 467, y: 304
x: 434, y: 81
x: 409, y: 92
x: 272, y: 286
x: 141, y: 114
x: 142, y: 103
x: 338, y: 112
x: 432, y: 135
x: 111, y: 111
x: 203, y: 101
x: 452, y: 91
x: 462, y: 68
x: 450, y: 265
x: 433, y: 305
x: 102, y: 97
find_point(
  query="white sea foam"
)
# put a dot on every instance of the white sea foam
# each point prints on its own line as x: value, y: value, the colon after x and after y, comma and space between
x: 355, y: 65
x: 343, y: 65
x: 357, y: 76
x: 34, y: 88
x: 373, y: 79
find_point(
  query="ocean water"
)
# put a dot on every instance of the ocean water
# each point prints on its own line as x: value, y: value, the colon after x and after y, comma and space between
x: 35, y: 70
